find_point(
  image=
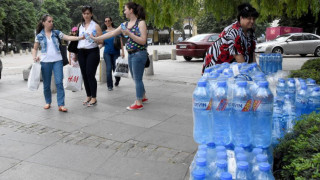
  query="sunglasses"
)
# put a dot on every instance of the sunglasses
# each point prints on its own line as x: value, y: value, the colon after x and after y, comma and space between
x: 108, y: 21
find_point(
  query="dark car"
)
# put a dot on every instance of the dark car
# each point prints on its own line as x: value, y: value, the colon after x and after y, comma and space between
x: 26, y: 45
x: 196, y: 46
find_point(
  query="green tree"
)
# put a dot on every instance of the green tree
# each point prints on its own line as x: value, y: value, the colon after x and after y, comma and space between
x: 165, y: 12
x: 60, y: 13
x: 20, y: 20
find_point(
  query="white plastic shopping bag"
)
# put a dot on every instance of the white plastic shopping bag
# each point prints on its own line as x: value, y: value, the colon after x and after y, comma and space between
x: 73, y: 79
x: 34, y: 77
x: 122, y: 67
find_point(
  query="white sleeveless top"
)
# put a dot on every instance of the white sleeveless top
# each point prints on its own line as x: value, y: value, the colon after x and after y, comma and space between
x: 85, y: 44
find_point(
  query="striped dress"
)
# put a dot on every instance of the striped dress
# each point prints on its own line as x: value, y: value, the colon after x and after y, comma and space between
x: 232, y: 41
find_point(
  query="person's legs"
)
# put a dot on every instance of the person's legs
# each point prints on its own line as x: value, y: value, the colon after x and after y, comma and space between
x: 58, y: 77
x: 113, y: 60
x: 138, y: 61
x: 82, y: 58
x: 108, y: 59
x: 93, y: 60
x: 46, y: 71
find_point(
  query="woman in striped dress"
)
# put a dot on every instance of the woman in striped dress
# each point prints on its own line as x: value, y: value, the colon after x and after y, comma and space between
x: 237, y: 42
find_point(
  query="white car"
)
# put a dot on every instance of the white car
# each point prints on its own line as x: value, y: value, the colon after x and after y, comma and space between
x: 292, y: 43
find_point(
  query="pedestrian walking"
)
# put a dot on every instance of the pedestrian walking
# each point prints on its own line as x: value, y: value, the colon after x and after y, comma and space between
x: 236, y: 42
x: 111, y: 53
x: 89, y: 54
x: 136, y: 45
x: 51, y: 59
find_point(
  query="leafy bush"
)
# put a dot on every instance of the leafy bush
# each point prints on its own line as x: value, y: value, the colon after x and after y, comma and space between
x: 310, y: 69
x: 297, y: 156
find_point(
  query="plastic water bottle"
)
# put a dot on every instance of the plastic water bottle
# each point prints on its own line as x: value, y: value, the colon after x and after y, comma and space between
x: 241, y: 114
x: 198, y: 174
x: 291, y: 89
x: 314, y: 100
x: 262, y: 110
x: 254, y: 153
x: 301, y: 101
x: 87, y: 37
x: 222, y: 166
x: 289, y: 115
x: 220, y: 112
x: 225, y: 176
x: 241, y: 157
x: 281, y: 88
x: 243, y: 171
x: 310, y: 84
x: 264, y: 172
x: 278, y: 123
x: 201, y: 114
x: 258, y: 77
x: 261, y: 62
x: 211, y: 154
x: 269, y: 153
x: 260, y: 158
x: 199, y: 154
x: 123, y: 27
x: 201, y: 164
x: 279, y: 61
x: 207, y: 71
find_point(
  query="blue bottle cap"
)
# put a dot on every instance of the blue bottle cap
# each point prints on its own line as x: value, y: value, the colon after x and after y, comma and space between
x: 201, y: 161
x: 222, y: 155
x: 202, y: 83
x: 238, y: 150
x: 242, y: 83
x: 220, y: 148
x: 291, y: 80
x: 301, y: 80
x: 213, y: 75
x: 222, y: 84
x: 219, y: 71
x: 202, y: 147
x: 243, y: 165
x: 211, y: 145
x: 280, y: 80
x: 263, y: 83
x: 286, y: 97
x: 222, y: 163
x: 316, y: 89
x: 202, y: 154
x: 241, y: 157
x: 264, y: 166
x: 207, y: 70
x: 198, y: 174
x: 225, y: 176
x: 311, y: 81
x: 261, y: 158
x: 304, y: 87
x: 257, y: 151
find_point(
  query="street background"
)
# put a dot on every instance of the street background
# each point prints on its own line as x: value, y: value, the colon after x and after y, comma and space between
x: 105, y: 141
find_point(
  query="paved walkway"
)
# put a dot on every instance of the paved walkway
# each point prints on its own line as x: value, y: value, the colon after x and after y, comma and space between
x: 101, y: 142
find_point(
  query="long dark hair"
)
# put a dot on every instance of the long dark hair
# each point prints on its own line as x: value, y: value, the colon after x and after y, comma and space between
x: 104, y: 27
x: 84, y: 9
x: 246, y: 10
x: 138, y: 10
x: 40, y: 25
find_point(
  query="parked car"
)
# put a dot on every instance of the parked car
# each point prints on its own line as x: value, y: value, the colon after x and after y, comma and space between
x: 26, y: 45
x: 292, y: 43
x: 196, y: 46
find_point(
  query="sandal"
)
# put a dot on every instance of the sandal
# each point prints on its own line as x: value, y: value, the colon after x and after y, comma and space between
x: 47, y: 106
x: 92, y: 104
x: 63, y: 109
x: 86, y: 102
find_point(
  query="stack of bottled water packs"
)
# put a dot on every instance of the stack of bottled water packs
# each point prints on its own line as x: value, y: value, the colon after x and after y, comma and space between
x: 237, y: 119
x: 232, y: 112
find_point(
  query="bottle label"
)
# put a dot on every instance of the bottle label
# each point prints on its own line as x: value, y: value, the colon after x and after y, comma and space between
x: 204, y: 105
x: 261, y: 107
x: 244, y: 107
x: 222, y: 105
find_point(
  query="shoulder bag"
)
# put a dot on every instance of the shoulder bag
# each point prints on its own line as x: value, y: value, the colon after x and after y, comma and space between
x: 63, y: 51
x: 73, y: 46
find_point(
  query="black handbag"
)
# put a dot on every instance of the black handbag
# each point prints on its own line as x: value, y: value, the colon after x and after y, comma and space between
x: 117, y: 42
x: 147, y: 62
x: 73, y: 47
x: 63, y: 51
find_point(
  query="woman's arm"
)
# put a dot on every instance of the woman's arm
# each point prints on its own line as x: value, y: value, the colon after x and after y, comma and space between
x: 143, y: 30
x: 122, y: 49
x: 35, y: 51
x: 72, y: 38
x: 99, y: 33
x: 107, y: 35
x: 69, y: 58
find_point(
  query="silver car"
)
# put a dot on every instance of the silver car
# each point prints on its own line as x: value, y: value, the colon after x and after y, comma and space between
x: 292, y: 43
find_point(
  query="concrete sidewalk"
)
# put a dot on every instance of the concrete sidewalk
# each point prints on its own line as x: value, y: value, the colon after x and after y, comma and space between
x: 101, y: 142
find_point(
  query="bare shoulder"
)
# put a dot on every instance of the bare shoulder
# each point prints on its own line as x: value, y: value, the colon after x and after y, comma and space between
x: 142, y: 23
